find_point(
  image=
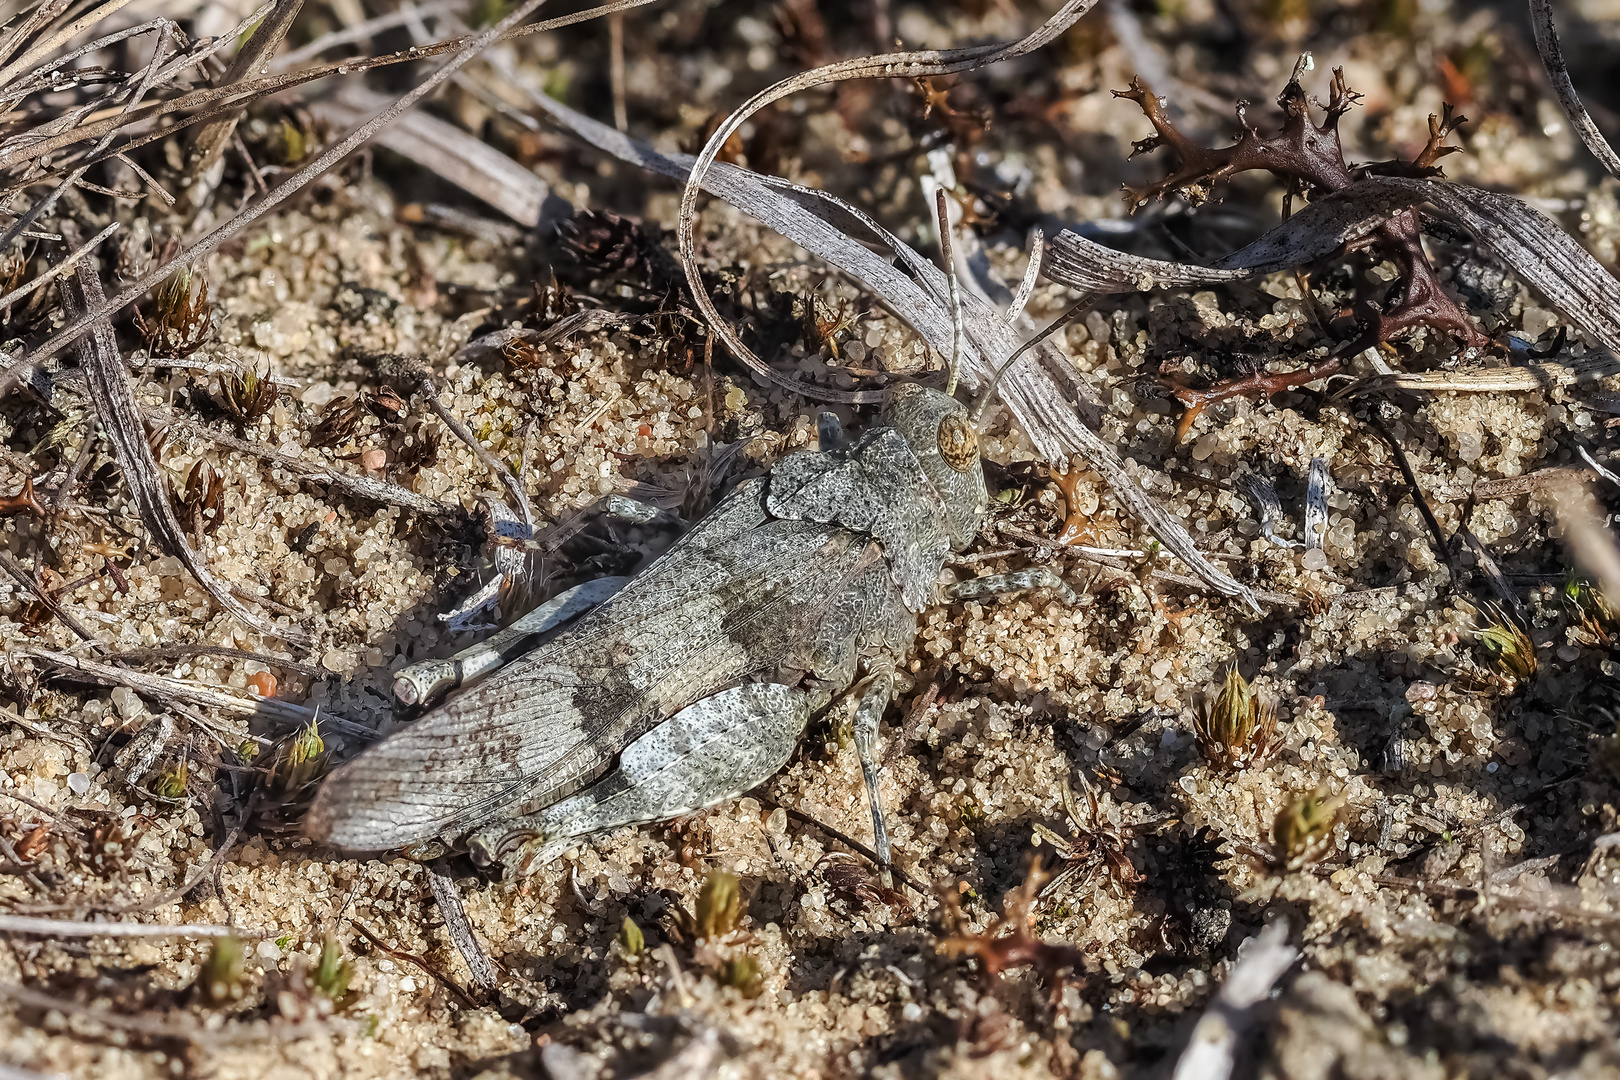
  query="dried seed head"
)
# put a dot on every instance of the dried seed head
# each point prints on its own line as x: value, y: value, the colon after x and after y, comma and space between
x: 338, y: 422
x: 1239, y: 729
x: 525, y: 355
x: 1510, y: 648
x: 742, y: 974
x: 247, y: 395
x: 1304, y: 828
x: 631, y: 939
x: 180, y: 323
x: 202, y: 507
x: 719, y: 905
x: 386, y: 405
x: 421, y: 450
x: 602, y: 242
x: 220, y: 979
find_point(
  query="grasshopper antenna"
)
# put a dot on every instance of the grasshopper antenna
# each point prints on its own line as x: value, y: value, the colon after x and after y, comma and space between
x: 956, y: 291
x: 1037, y: 249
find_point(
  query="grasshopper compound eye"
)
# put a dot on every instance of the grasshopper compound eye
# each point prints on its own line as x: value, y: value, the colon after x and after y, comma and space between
x: 958, y: 442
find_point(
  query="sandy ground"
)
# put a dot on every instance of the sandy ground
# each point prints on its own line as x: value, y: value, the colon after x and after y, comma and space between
x: 1456, y: 920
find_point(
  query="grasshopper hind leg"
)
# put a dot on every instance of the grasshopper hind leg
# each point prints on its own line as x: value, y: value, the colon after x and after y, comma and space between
x: 705, y: 754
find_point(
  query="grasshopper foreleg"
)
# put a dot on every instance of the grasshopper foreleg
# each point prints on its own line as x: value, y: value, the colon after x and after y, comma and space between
x: 1039, y: 577
x: 419, y: 683
x: 874, y: 700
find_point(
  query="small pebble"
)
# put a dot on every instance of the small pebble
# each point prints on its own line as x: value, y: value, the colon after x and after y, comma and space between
x: 128, y: 702
x: 407, y: 985
x: 78, y: 783
x: 1568, y: 653
x: 374, y: 460
x: 1315, y: 559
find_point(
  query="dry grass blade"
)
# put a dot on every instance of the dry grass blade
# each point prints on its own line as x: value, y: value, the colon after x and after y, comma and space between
x: 364, y: 29
x: 184, y: 1028
x: 114, y: 398
x: 1212, y: 1050
x: 1530, y: 243
x: 295, y: 183
x: 227, y: 100
x: 1552, y: 58
x: 26, y: 580
x: 206, y: 162
x: 165, y: 31
x: 163, y: 687
x: 1547, y: 258
x: 447, y: 150
x: 61, y: 36
x: 59, y: 269
x: 929, y: 62
x: 365, y: 487
x: 66, y: 928
x: 1320, y: 228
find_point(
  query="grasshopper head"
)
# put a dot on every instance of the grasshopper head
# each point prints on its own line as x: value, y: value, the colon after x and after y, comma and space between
x: 938, y: 429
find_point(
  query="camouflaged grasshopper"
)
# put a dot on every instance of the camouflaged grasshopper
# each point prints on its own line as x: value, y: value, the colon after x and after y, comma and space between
x: 694, y: 681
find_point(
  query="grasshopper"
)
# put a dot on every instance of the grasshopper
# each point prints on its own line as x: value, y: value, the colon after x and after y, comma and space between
x: 692, y: 682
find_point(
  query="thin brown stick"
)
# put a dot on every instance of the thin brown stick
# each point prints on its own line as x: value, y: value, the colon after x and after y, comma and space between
x: 185, y: 1027
x: 363, y: 486
x: 55, y: 816
x: 1441, y: 548
x: 62, y: 36
x: 175, y: 895
x: 514, y: 487
x: 411, y: 958
x: 180, y: 652
x: 850, y: 842
x: 236, y: 96
x: 59, y: 269
x: 365, y: 29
